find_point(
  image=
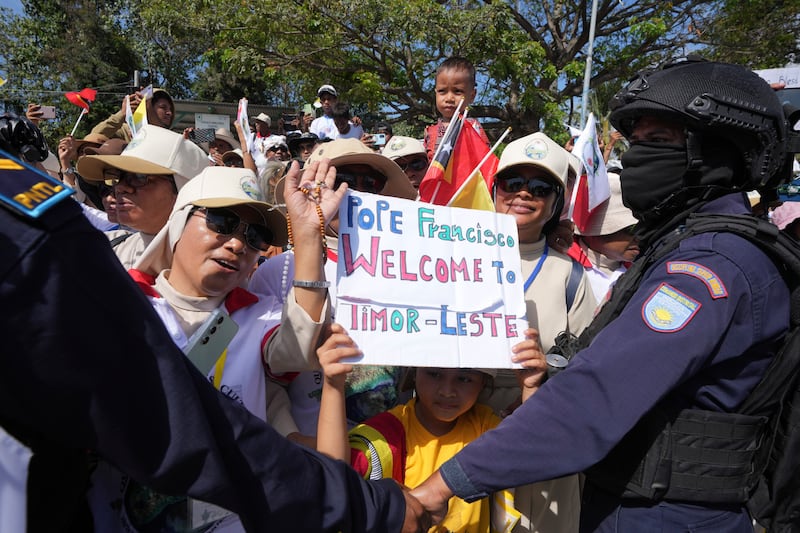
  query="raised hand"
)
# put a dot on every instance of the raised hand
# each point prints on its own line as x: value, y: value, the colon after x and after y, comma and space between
x: 305, y: 194
x: 529, y: 354
x: 339, y: 345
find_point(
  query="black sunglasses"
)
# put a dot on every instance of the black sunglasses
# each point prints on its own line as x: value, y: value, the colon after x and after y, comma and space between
x: 536, y: 186
x: 373, y: 183
x: 131, y: 179
x: 226, y: 222
x: 105, y: 190
x: 417, y: 164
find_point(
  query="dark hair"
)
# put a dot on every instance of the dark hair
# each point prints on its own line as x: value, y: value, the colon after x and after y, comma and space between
x: 341, y: 110
x: 458, y: 63
x: 163, y: 95
x: 383, y: 125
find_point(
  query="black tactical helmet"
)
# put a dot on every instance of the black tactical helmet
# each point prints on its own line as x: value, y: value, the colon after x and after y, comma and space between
x: 20, y: 137
x: 716, y: 99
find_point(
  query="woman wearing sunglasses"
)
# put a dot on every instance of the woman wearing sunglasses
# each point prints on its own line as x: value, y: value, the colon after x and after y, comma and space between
x: 529, y: 185
x: 194, y: 273
x: 371, y: 389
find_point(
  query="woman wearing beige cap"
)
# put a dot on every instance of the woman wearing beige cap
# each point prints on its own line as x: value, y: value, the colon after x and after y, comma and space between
x: 193, y: 273
x: 529, y: 185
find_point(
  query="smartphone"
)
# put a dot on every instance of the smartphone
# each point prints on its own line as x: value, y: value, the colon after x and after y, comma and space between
x: 48, y: 111
x: 201, y: 135
x: 379, y: 139
x: 207, y: 344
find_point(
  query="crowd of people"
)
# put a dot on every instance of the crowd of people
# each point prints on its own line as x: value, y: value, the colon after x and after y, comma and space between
x: 244, y: 227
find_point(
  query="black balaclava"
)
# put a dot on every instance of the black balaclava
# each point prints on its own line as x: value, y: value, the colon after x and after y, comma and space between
x: 662, y: 183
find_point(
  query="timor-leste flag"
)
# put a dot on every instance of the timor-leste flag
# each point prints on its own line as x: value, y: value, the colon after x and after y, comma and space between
x: 82, y: 98
x: 437, y: 187
x: 474, y: 181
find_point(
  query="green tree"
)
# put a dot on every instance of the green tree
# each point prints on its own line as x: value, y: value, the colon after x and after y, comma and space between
x: 58, y: 46
x: 530, y: 55
x: 755, y: 33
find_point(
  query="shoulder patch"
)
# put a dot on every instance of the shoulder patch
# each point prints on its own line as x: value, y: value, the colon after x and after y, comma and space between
x: 715, y: 286
x: 668, y: 310
x: 27, y: 190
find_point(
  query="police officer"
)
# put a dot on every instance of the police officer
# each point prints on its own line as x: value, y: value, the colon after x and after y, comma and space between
x: 689, y: 340
x: 75, y: 376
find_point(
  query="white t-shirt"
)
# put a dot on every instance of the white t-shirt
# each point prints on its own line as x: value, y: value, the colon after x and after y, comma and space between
x: 355, y: 132
x: 323, y: 127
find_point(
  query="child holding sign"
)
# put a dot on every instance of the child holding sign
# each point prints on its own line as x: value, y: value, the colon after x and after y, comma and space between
x: 410, y: 441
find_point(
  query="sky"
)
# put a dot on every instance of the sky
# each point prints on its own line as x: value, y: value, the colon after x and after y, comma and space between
x: 16, y: 5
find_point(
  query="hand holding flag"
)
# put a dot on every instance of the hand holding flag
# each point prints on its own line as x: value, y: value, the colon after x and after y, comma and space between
x: 81, y: 99
x: 244, y: 123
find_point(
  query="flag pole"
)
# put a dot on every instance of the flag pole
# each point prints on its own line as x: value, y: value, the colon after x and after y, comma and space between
x: 449, y: 127
x: 491, y: 150
x: 83, y: 112
x: 439, y: 148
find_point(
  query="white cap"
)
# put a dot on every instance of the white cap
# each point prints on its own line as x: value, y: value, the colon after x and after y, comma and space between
x: 153, y: 151
x: 537, y: 150
x: 399, y: 146
x: 214, y: 187
x: 263, y: 117
x: 327, y: 89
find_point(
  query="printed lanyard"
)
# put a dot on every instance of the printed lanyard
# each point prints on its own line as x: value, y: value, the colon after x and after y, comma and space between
x: 536, y: 269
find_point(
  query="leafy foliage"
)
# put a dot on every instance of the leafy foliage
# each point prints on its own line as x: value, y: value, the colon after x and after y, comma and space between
x: 382, y: 56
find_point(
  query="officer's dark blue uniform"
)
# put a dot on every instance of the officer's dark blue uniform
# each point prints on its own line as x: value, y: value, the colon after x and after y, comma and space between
x: 87, y: 365
x: 703, y: 338
x: 694, y: 334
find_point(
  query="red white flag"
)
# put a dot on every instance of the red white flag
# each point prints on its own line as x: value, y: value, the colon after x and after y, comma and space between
x: 591, y: 188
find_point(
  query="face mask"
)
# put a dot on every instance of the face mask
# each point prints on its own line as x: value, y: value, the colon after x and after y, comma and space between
x: 651, y: 173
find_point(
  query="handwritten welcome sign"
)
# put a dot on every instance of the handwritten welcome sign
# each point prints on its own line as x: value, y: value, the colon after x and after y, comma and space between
x: 426, y: 285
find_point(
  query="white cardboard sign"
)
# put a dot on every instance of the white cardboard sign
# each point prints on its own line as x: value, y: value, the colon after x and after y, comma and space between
x: 426, y: 285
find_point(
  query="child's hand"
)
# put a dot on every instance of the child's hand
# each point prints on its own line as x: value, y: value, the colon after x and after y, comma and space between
x: 337, y: 346
x: 529, y: 354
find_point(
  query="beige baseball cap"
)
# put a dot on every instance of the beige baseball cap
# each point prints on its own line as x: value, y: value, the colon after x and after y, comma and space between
x: 153, y: 151
x: 399, y: 146
x: 537, y: 150
x: 213, y: 187
x: 353, y: 152
x: 610, y: 216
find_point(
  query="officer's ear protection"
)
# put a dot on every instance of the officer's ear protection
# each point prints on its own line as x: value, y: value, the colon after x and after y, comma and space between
x: 19, y: 136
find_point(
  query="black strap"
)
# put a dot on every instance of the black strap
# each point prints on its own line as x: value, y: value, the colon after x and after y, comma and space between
x: 573, y: 282
x: 116, y: 241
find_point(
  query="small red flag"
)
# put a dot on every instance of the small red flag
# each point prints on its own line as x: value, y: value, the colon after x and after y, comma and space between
x: 82, y: 98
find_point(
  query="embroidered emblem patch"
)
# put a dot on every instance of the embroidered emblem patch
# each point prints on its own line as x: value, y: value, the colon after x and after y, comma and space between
x: 715, y: 286
x: 668, y: 310
x: 27, y: 190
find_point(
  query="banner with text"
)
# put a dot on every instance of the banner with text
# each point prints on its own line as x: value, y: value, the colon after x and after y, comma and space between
x: 427, y: 285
